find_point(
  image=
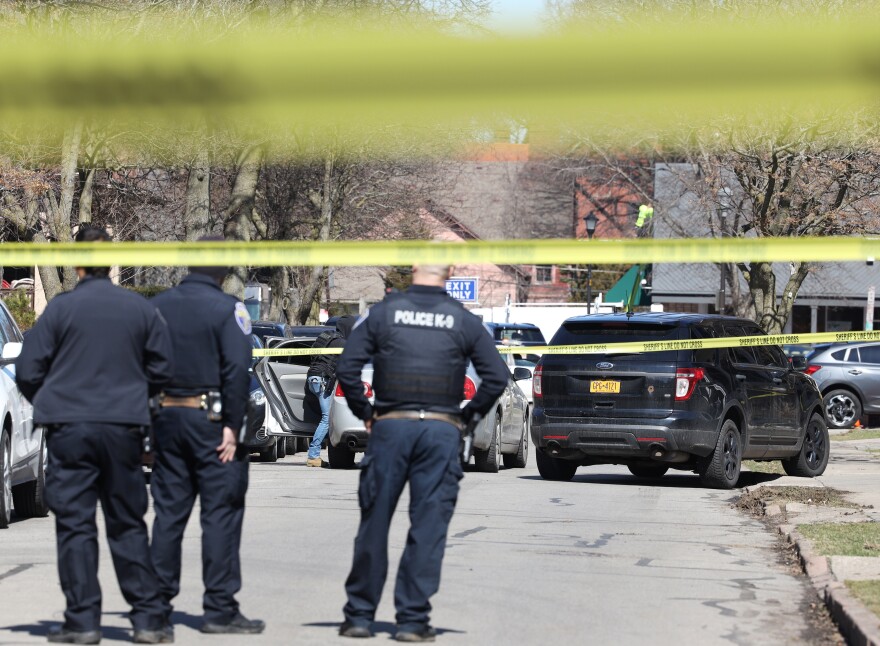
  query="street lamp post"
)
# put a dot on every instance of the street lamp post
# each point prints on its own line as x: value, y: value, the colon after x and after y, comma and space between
x: 591, y: 221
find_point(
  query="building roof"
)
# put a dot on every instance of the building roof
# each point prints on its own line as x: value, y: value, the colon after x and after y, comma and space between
x: 678, y: 211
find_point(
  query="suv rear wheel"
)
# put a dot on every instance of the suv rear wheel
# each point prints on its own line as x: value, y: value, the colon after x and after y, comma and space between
x: 813, y: 456
x: 720, y: 470
x: 554, y: 468
x: 642, y: 470
x: 340, y: 457
x: 842, y: 408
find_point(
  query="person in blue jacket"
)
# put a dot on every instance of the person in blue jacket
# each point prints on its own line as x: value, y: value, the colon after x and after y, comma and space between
x: 420, y: 342
x: 89, y: 365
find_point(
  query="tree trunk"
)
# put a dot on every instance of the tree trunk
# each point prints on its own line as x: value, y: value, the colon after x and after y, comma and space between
x: 238, y: 215
x: 197, y: 213
x: 85, y: 198
x: 64, y: 208
x: 325, y: 200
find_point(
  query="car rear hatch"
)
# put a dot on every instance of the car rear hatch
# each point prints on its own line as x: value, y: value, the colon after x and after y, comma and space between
x: 611, y: 384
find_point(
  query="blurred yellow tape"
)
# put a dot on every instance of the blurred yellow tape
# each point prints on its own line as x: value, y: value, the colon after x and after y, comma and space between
x: 636, y: 347
x: 349, y: 87
x: 409, y: 252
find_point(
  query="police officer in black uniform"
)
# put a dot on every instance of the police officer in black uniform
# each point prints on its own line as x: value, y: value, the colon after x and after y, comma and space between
x: 420, y: 342
x: 88, y: 366
x: 197, y: 448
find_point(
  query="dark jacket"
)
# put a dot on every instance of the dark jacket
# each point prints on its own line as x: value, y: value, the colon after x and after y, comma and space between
x: 95, y: 355
x: 420, y: 343
x: 210, y: 331
x: 324, y: 365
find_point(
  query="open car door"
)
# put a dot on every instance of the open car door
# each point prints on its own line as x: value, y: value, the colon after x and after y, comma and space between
x: 283, y: 380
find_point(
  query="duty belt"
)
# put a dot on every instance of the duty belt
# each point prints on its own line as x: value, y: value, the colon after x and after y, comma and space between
x: 196, y: 401
x: 455, y: 420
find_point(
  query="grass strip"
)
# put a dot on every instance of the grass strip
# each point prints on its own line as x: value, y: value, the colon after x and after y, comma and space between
x: 868, y: 592
x: 774, y: 466
x: 860, y: 434
x: 844, y: 539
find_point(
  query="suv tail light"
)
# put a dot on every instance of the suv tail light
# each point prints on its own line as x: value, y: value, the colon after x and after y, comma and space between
x: 368, y: 390
x: 686, y: 381
x: 812, y: 368
x: 536, y: 381
x: 470, y: 389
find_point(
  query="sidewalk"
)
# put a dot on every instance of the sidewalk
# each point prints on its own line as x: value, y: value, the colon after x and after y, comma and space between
x: 854, y: 470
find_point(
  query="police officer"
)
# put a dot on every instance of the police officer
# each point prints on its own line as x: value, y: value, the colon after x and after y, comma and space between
x: 420, y: 342
x: 88, y: 366
x: 197, y: 449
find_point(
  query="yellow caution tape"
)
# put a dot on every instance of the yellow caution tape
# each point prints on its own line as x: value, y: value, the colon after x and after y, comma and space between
x: 409, y: 252
x: 637, y: 347
x: 154, y: 88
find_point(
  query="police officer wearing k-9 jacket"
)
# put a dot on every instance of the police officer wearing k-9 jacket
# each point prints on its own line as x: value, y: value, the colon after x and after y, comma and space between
x: 197, y: 450
x: 419, y: 342
x: 88, y: 366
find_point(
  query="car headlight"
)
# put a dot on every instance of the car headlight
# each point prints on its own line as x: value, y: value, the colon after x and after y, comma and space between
x: 258, y: 397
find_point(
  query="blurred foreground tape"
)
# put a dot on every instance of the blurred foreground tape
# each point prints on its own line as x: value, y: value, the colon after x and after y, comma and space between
x: 362, y: 88
x: 410, y: 252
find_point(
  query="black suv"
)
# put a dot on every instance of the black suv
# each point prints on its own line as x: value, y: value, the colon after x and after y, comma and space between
x: 703, y: 410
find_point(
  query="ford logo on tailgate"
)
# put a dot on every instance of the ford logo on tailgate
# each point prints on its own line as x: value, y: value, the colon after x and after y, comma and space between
x: 604, y: 365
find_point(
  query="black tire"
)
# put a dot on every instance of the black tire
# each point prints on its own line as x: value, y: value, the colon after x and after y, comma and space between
x: 290, y: 445
x: 842, y: 408
x: 30, y: 497
x: 270, y: 453
x: 302, y: 444
x: 647, y: 470
x: 340, y: 457
x: 281, y: 447
x: 519, y: 459
x: 489, y: 461
x: 813, y: 456
x: 5, y: 479
x: 555, y: 468
x: 720, y: 470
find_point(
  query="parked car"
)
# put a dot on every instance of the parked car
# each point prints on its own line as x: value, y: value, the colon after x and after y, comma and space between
x: 703, y: 410
x: 23, y: 455
x: 848, y: 376
x: 515, y: 333
x: 256, y: 439
x: 502, y: 436
x: 513, y: 361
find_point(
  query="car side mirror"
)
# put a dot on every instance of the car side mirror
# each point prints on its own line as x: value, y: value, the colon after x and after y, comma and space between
x: 798, y: 364
x: 11, y: 352
x: 520, y: 374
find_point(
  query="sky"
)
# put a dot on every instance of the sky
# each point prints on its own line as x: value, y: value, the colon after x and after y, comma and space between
x: 518, y: 13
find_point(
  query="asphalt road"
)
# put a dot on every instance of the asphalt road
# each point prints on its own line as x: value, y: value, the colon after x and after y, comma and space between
x: 605, y: 559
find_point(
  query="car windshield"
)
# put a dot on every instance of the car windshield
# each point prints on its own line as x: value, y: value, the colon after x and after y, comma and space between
x: 514, y: 336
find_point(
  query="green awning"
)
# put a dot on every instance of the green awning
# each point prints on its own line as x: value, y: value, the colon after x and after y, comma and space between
x: 622, y: 289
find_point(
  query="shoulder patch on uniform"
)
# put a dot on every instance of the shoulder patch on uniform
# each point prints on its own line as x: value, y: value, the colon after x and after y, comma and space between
x: 242, y: 318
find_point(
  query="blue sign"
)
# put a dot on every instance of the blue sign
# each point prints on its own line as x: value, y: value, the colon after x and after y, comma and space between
x: 462, y: 289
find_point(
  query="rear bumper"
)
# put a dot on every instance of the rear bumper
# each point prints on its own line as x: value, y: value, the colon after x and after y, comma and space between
x: 354, y: 439
x: 674, y: 439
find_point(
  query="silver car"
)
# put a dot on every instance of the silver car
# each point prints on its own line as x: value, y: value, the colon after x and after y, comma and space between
x: 500, y: 436
x: 23, y: 455
x: 849, y: 378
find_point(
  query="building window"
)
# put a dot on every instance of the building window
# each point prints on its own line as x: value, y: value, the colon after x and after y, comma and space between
x: 543, y: 274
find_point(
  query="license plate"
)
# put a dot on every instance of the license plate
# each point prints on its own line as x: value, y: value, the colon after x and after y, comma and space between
x: 604, y: 386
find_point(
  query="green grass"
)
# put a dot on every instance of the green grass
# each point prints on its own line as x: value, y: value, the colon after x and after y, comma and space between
x: 844, y: 539
x: 860, y: 434
x: 775, y: 466
x: 868, y: 592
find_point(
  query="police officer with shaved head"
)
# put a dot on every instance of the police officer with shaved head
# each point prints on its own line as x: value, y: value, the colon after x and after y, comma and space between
x: 420, y: 342
x: 89, y: 366
x: 197, y: 444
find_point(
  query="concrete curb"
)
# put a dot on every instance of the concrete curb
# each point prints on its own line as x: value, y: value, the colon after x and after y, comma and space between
x: 858, y: 625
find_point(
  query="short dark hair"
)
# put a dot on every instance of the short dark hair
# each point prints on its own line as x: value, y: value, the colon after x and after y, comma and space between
x: 91, y: 233
x: 218, y: 274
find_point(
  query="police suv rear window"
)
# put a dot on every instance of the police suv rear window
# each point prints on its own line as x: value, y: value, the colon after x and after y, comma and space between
x: 583, y: 332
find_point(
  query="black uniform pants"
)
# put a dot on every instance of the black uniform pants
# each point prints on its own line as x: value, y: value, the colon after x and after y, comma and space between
x: 90, y: 462
x: 425, y: 453
x: 186, y: 465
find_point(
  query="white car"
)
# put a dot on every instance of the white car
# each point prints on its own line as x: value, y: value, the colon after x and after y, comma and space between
x: 522, y: 360
x: 23, y: 454
x: 501, y: 435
